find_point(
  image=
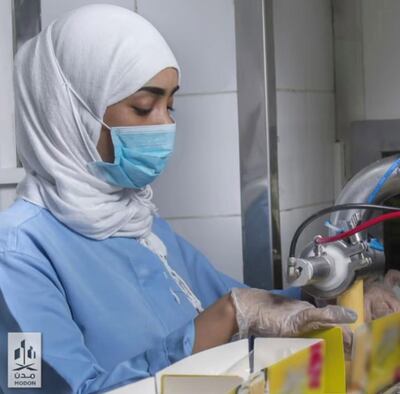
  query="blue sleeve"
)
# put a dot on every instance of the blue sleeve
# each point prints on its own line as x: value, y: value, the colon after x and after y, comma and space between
x: 209, y: 283
x: 33, y: 300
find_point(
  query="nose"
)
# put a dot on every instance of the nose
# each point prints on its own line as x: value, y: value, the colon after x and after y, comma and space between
x: 171, y: 119
x: 166, y: 117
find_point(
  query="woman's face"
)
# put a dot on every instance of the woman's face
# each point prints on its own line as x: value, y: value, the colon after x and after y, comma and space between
x: 152, y: 104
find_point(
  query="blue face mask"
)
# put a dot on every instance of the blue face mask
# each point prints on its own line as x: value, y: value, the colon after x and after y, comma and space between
x: 141, y: 154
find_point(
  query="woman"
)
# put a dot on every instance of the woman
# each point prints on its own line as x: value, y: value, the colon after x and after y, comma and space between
x: 84, y: 259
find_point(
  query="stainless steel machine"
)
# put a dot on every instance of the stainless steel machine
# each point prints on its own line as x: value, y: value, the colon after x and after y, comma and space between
x: 327, y: 270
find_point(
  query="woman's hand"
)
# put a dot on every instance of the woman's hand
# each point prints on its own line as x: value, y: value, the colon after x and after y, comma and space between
x: 261, y: 313
x: 216, y: 325
x: 380, y: 298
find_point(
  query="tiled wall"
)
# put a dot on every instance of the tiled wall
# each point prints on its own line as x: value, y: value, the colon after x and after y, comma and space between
x: 305, y: 104
x: 52, y: 9
x: 381, y: 33
x: 367, y: 61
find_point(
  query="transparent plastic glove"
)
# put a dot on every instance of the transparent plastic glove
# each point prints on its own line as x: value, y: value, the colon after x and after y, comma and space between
x: 346, y: 330
x: 379, y: 296
x: 261, y: 313
x: 392, y: 279
x: 347, y: 341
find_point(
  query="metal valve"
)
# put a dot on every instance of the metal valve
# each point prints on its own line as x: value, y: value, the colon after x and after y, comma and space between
x: 327, y: 270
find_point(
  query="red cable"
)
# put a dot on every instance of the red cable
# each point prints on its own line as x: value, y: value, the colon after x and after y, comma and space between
x: 359, y: 228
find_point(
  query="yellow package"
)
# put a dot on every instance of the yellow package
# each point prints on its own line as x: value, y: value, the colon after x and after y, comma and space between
x: 302, y: 372
x: 384, y: 368
x: 335, y: 369
x: 316, y: 369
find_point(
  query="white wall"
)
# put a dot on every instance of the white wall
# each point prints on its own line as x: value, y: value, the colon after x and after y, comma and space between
x: 52, y: 9
x: 305, y: 104
x: 381, y: 35
x: 367, y: 62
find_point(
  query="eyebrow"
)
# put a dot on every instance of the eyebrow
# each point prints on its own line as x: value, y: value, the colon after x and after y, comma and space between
x: 157, y: 91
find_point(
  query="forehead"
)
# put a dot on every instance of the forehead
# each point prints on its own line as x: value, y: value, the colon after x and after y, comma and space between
x: 167, y: 78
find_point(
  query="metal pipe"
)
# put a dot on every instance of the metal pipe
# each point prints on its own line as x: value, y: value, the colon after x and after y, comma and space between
x: 358, y: 189
x: 258, y: 143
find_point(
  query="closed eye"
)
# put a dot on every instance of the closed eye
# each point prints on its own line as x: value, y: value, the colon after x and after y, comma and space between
x: 142, y: 111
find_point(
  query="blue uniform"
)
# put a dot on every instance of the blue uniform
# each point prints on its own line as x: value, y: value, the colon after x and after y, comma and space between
x: 108, y: 312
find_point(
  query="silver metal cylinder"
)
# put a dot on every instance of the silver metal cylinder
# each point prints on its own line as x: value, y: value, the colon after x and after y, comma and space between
x: 358, y: 189
x: 321, y: 267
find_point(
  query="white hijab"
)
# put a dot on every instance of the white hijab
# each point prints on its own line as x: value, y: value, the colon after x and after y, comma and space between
x: 105, y: 53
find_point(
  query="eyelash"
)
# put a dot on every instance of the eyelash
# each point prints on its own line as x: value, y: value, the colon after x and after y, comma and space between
x: 144, y: 112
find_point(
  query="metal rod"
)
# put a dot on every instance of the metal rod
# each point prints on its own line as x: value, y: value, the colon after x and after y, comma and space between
x: 258, y: 143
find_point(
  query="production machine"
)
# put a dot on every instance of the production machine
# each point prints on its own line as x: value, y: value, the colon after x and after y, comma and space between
x: 335, y: 266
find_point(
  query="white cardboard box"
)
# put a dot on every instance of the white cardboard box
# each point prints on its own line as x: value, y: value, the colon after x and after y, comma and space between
x: 217, y: 370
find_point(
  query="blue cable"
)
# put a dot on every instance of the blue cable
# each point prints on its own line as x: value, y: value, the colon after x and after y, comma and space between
x: 382, y: 181
x: 376, y: 244
x: 338, y: 230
